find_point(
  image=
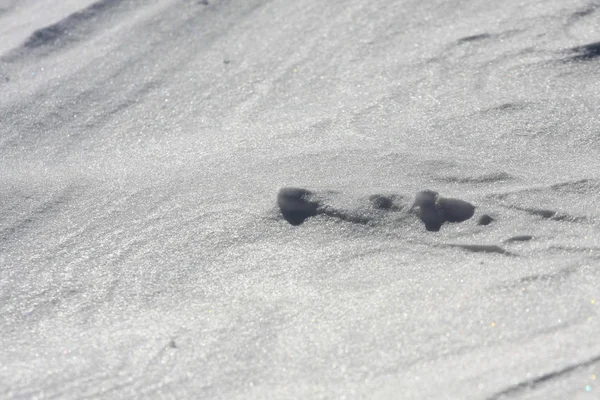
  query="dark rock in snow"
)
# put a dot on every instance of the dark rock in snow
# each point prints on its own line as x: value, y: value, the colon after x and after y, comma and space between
x: 434, y: 210
x: 428, y: 211
x: 383, y: 202
x: 455, y: 210
x: 297, y: 205
x: 485, y: 220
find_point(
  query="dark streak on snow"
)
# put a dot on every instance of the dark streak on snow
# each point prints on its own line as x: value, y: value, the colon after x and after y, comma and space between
x: 474, y: 38
x: 560, y: 274
x: 548, y: 214
x: 51, y: 33
x: 485, y: 178
x: 49, y: 207
x: 507, y: 107
x: 533, y: 383
x: 69, y: 29
x: 481, y: 248
x: 584, y: 12
x: 586, y: 52
x: 519, y: 238
x: 581, y: 186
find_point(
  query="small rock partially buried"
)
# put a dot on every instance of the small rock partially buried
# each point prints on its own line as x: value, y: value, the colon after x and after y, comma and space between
x: 455, y: 210
x: 485, y: 220
x: 297, y: 205
x: 428, y: 211
x: 384, y: 202
x: 434, y: 210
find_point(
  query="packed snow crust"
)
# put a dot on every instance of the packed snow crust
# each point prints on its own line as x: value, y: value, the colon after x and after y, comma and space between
x: 142, y: 250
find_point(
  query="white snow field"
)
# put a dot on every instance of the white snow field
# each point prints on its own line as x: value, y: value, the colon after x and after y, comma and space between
x: 142, y: 147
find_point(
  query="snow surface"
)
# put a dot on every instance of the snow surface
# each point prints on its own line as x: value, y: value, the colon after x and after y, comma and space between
x: 142, y: 147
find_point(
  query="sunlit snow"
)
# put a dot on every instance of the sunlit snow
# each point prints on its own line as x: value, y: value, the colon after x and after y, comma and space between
x: 143, y: 145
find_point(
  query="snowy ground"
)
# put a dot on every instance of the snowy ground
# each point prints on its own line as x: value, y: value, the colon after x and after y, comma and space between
x: 142, y: 146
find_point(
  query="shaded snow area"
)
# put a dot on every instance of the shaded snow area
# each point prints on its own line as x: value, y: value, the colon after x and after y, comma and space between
x: 299, y: 199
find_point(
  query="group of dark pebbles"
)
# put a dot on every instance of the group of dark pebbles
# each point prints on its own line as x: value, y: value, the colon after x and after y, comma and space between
x: 298, y: 204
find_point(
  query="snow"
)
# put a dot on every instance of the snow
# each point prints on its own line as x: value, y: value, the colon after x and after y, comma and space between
x: 142, y: 147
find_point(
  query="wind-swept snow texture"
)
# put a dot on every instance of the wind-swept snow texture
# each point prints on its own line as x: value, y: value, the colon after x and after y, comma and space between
x: 143, y: 145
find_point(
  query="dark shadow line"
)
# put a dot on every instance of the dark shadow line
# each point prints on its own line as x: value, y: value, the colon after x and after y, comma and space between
x: 532, y: 383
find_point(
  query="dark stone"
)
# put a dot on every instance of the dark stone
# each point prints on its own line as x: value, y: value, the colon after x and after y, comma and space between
x: 434, y: 210
x: 455, y: 210
x: 485, y: 220
x: 428, y: 212
x: 381, y: 202
x: 297, y: 205
x: 433, y: 225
